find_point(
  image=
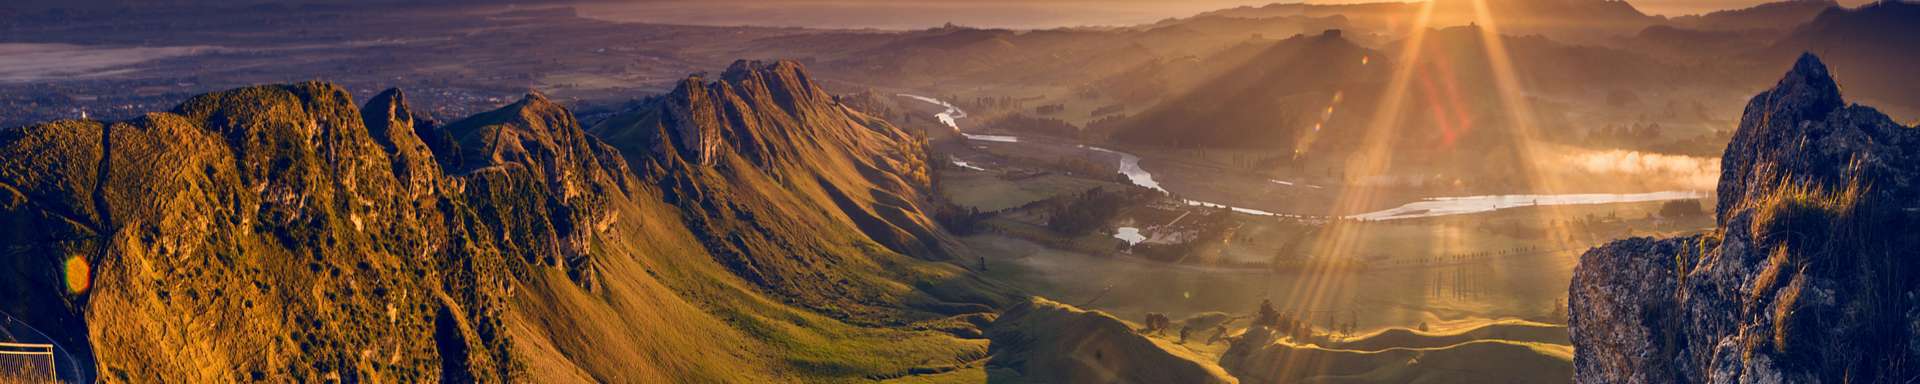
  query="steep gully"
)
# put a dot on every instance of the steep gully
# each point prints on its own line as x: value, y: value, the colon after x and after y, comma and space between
x: 1129, y: 164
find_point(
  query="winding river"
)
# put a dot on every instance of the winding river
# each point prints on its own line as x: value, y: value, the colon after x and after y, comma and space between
x: 1428, y: 207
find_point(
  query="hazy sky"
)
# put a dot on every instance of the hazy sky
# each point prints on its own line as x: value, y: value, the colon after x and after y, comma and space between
x: 915, y: 14
x: 909, y: 14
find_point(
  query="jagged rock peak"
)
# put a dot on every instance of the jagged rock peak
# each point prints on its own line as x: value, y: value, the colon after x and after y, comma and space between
x: 225, y: 111
x: 778, y: 69
x: 1811, y: 261
x: 693, y: 114
x: 391, y: 102
x: 752, y: 103
x: 391, y: 122
x: 1801, y: 129
x: 386, y: 112
x: 535, y: 103
x: 785, y: 80
x: 1807, y: 91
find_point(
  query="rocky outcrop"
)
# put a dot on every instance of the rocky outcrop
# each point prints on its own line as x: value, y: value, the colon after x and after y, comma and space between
x: 1809, y: 278
x: 741, y: 153
x: 249, y: 233
x: 550, y: 182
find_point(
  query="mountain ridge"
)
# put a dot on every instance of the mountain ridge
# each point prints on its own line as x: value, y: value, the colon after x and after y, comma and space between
x: 301, y: 237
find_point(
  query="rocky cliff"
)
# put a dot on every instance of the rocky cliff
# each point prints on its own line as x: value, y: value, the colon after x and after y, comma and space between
x: 763, y: 162
x: 1809, y: 277
x: 281, y: 232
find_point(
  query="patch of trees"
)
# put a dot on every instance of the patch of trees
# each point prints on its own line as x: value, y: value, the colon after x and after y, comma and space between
x: 1109, y: 109
x: 1085, y: 168
x: 1093, y: 210
x: 961, y: 220
x: 1087, y: 212
x: 1276, y: 126
x: 1633, y: 135
x: 1050, y: 109
x: 1106, y: 124
x: 1070, y: 165
x: 1703, y: 145
x: 985, y: 103
x: 1299, y: 328
x: 1680, y: 209
x: 872, y: 103
x: 1036, y: 125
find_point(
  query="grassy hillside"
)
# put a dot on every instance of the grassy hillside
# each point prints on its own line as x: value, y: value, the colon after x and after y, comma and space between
x: 1498, y: 352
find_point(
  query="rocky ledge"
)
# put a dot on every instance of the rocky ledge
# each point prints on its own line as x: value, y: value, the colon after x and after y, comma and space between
x: 1809, y: 278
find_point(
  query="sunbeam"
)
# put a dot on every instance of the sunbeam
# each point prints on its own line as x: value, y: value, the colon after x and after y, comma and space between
x: 1337, y: 241
x: 1521, y: 127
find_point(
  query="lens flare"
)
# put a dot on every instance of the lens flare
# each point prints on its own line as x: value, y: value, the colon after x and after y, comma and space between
x: 1337, y: 241
x: 79, y: 274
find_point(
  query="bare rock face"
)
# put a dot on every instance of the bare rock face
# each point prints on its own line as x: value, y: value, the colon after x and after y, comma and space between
x: 551, y: 183
x: 1811, y: 277
x: 257, y: 232
x: 746, y: 111
x: 391, y: 123
x: 739, y: 153
x: 1637, y: 295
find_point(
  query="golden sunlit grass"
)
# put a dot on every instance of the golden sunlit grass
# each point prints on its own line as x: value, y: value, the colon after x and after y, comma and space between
x: 1804, y: 224
x: 1488, y: 352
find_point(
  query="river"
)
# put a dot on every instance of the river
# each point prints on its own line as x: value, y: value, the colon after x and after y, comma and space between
x: 1428, y: 207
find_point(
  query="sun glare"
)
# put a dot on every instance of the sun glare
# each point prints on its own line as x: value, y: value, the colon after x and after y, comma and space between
x: 1522, y: 128
x: 1339, y: 241
x: 79, y: 274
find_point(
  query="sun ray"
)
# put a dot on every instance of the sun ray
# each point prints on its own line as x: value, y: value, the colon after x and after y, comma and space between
x: 1337, y: 240
x: 1521, y: 126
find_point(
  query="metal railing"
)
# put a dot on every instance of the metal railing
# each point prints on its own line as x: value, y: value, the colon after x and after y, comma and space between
x: 13, y: 332
x: 27, y: 362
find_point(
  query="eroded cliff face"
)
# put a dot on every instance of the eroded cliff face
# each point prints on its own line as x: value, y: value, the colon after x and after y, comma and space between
x: 280, y: 232
x: 764, y: 162
x: 1810, y: 277
x: 247, y: 233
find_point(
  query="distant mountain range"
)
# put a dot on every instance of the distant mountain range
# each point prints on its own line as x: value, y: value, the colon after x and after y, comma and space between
x: 1778, y: 15
x: 1276, y: 97
x: 1269, y: 99
x: 1871, y: 49
x: 1212, y: 105
x: 1578, y: 20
